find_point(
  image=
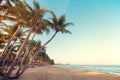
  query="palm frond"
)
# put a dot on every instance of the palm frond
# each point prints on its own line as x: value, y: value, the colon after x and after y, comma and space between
x: 61, y: 20
x: 29, y: 7
x: 53, y: 14
x: 66, y: 31
x: 3, y: 24
x: 49, y: 23
x: 54, y: 18
x: 38, y: 43
x: 36, y: 5
x: 3, y: 17
x: 46, y: 30
x: 68, y: 24
x: 4, y: 29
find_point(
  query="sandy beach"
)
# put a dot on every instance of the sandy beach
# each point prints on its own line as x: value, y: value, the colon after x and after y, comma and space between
x: 64, y: 73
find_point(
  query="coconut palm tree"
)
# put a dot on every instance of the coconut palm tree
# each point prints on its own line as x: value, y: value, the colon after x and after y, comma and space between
x: 31, y: 17
x: 13, y: 46
x: 24, y: 58
x: 36, y: 50
x: 40, y: 49
x: 8, y: 12
x: 57, y: 24
x: 9, y: 32
x: 17, y: 38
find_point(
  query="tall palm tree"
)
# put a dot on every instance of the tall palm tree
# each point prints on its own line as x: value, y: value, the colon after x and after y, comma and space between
x: 29, y: 55
x: 35, y: 16
x: 10, y: 32
x: 19, y: 36
x: 57, y: 24
x: 8, y: 12
x: 36, y: 50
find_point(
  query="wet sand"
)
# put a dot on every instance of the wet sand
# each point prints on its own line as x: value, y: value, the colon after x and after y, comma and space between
x: 64, y: 73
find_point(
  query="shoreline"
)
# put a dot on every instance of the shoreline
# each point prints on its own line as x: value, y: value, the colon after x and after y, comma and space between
x: 89, y: 70
x: 56, y: 72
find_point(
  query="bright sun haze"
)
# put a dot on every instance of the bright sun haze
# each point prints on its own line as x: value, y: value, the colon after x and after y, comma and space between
x: 95, y: 35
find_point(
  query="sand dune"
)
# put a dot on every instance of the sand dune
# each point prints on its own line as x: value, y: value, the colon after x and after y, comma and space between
x: 64, y: 73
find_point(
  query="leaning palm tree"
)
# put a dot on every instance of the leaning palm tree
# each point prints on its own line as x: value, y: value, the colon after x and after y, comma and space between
x: 17, y: 39
x: 57, y: 24
x: 8, y: 12
x: 35, y: 16
x: 31, y: 55
x: 10, y: 32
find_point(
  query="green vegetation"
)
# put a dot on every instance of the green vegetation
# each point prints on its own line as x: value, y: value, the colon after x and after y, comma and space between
x: 18, y: 22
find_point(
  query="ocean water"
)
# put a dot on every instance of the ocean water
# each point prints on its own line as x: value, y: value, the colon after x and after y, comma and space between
x: 110, y: 69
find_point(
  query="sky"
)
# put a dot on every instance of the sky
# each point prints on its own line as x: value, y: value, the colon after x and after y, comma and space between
x: 95, y: 35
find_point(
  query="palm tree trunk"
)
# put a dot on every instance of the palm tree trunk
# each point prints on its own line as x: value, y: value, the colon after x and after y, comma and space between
x: 9, y: 41
x: 48, y: 42
x: 21, y: 64
x: 25, y: 67
x: 17, y: 56
x: 6, y: 57
x: 50, y: 39
x: 35, y: 55
x: 19, y: 69
x: 23, y: 57
x: 32, y: 59
x: 7, y: 54
x: 28, y: 55
x: 7, y: 45
x: 25, y: 54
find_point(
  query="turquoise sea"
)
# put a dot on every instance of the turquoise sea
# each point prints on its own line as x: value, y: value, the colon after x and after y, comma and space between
x: 110, y: 69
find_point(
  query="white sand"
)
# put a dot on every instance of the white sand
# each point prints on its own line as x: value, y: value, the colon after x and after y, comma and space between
x: 64, y: 73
